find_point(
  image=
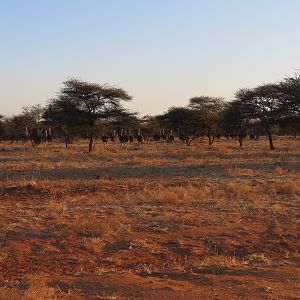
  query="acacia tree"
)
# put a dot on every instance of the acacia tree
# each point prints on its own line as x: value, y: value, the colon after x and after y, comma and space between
x: 182, y: 119
x: 1, y: 127
x: 22, y: 125
x: 238, y: 117
x: 289, y: 90
x: 210, y: 111
x: 83, y: 103
x: 34, y: 114
x: 65, y: 117
x: 266, y: 106
x: 124, y: 119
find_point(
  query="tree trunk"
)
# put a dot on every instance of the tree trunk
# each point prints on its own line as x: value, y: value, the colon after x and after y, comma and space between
x: 211, y: 135
x: 210, y: 140
x: 268, y: 130
x: 91, y: 143
x: 241, y: 134
x: 189, y: 141
x: 241, y: 141
x: 27, y: 133
x: 66, y: 140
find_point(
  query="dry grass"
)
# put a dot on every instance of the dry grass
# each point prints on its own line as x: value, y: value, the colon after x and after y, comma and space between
x: 142, y: 223
x: 95, y: 245
x: 279, y: 171
x: 221, y: 261
x: 288, y: 187
x: 239, y: 189
x: 237, y: 172
x: 38, y: 289
x: 10, y: 294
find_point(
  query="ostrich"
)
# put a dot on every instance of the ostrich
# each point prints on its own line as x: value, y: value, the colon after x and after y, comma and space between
x: 27, y: 133
x: 253, y: 136
x: 233, y: 135
x: 35, y: 137
x: 156, y: 138
x: 130, y: 137
x: 48, y: 137
x: 113, y: 136
x: 146, y: 138
x: 68, y: 138
x: 123, y: 138
x: 16, y: 136
x: 242, y: 135
x: 140, y: 138
x: 183, y: 136
x: 171, y: 138
x: 163, y: 136
x: 105, y: 139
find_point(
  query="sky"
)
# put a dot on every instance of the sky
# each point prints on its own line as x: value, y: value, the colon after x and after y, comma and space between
x: 162, y: 52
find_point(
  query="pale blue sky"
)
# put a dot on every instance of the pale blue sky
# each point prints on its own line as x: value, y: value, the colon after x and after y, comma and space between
x: 161, y: 51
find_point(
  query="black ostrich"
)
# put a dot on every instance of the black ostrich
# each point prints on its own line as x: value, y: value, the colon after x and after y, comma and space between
x: 35, y: 137
x: 105, y: 138
x: 123, y: 138
x: 253, y: 136
x: 184, y: 137
x: 156, y: 138
x: 171, y: 138
x: 140, y: 138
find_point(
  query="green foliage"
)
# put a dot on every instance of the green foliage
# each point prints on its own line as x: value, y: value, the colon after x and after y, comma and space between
x: 81, y: 103
x: 180, y: 118
x: 290, y: 104
x: 262, y: 102
x: 124, y: 119
x: 271, y: 103
x: 2, y: 126
x: 84, y: 107
x: 60, y: 112
x: 289, y: 90
x: 209, y: 109
x: 18, y: 125
x: 34, y: 114
x: 210, y: 113
x: 237, y: 116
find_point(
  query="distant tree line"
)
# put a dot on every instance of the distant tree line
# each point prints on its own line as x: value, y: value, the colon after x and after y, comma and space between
x: 84, y: 109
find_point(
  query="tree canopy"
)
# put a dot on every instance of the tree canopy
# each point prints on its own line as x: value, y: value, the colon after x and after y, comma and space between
x: 210, y: 112
x: 271, y: 104
x: 82, y: 103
